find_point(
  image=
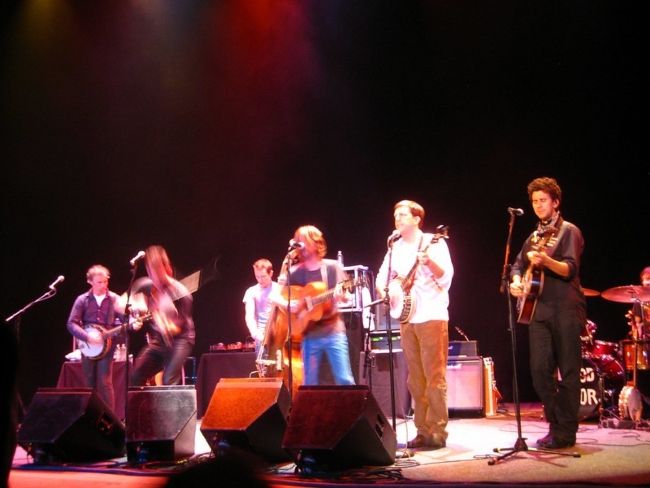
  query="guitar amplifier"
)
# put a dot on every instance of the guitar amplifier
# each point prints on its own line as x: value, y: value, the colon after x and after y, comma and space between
x: 379, y: 340
x: 462, y: 349
x: 465, y: 389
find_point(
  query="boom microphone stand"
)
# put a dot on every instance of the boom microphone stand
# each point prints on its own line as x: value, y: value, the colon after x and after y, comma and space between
x: 520, y: 443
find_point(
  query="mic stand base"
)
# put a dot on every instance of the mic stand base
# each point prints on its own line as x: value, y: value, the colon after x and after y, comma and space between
x: 520, y: 446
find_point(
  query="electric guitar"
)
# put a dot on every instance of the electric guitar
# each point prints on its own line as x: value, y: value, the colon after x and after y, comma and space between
x: 315, y: 302
x: 402, y: 303
x: 533, y: 280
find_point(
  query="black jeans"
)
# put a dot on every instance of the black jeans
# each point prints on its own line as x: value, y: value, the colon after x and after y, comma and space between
x: 555, y: 362
x: 155, y: 357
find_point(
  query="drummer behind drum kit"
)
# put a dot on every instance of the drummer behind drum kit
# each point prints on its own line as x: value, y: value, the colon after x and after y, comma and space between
x: 606, y: 365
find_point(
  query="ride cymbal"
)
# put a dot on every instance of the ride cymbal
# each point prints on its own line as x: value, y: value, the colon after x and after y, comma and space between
x: 627, y: 294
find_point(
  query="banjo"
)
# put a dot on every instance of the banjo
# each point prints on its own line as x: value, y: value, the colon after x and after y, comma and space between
x: 402, y: 303
x: 98, y: 350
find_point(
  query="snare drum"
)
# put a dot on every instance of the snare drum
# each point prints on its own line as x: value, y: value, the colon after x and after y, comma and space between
x: 639, y: 348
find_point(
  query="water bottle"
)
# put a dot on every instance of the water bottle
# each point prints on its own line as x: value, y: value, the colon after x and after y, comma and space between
x: 339, y: 258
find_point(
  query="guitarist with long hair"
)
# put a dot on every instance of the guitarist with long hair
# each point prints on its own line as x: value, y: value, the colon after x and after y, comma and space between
x: 316, y: 288
x: 93, y: 312
x: 545, y: 279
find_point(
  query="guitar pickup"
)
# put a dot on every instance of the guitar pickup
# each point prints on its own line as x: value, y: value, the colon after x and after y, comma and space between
x: 309, y: 304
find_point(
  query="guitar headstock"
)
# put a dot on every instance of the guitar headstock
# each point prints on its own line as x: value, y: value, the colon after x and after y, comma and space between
x: 442, y: 232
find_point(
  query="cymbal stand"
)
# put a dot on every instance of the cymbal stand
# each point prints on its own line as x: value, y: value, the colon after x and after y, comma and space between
x: 520, y: 443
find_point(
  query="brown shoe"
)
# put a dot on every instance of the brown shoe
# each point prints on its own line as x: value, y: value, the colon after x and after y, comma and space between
x: 418, y: 442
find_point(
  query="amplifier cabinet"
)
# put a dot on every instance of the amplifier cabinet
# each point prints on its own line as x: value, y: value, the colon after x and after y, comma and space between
x: 465, y: 389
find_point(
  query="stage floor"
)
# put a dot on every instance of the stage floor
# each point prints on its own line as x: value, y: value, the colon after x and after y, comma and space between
x: 607, y: 457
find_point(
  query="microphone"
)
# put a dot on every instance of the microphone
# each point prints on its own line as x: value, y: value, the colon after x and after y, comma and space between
x: 395, y: 236
x: 56, y: 282
x: 293, y: 244
x: 516, y: 211
x: 136, y: 258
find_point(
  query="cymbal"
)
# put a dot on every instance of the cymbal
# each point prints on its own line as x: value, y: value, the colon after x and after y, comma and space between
x: 588, y: 292
x: 627, y: 294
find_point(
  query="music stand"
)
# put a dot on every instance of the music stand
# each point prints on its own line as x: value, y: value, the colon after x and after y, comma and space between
x: 520, y: 443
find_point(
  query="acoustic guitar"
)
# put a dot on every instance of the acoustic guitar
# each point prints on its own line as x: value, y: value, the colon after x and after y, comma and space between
x: 315, y: 302
x: 533, y: 280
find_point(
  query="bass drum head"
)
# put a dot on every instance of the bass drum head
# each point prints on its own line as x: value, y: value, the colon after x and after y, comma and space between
x: 591, y: 390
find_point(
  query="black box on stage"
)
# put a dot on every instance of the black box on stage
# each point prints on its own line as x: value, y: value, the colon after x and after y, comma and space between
x: 161, y: 423
x: 465, y: 390
x: 338, y: 426
x: 70, y: 424
x: 250, y: 414
x: 376, y: 374
x: 462, y: 348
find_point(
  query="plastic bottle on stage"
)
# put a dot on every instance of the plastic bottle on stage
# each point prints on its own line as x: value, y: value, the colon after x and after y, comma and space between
x: 339, y: 258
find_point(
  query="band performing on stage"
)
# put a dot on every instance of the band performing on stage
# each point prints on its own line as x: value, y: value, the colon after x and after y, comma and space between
x: 316, y: 325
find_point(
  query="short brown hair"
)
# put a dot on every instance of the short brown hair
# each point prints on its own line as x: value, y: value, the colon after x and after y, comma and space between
x: 263, y: 264
x: 547, y: 185
x: 416, y: 209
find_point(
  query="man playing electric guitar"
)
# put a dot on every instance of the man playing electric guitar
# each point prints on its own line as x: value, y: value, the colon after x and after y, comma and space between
x: 323, y: 333
x: 96, y: 307
x: 558, y: 316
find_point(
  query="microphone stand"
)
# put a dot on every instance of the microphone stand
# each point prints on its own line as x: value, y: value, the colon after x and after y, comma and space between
x: 289, y: 260
x: 520, y: 443
x: 389, y: 335
x: 127, y: 316
x: 17, y: 316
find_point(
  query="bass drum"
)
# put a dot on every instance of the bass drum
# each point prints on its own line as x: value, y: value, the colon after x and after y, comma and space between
x: 601, y: 380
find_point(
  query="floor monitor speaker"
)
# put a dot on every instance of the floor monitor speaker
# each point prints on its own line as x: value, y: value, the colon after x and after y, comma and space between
x: 160, y: 423
x: 338, y: 427
x: 250, y: 414
x: 70, y: 424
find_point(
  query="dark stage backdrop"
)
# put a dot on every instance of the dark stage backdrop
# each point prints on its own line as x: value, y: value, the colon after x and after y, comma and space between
x: 217, y: 128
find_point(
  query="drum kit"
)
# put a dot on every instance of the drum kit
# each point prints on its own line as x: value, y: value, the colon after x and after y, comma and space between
x: 609, y: 370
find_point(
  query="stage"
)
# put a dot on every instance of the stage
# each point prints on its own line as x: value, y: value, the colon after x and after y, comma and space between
x: 607, y: 457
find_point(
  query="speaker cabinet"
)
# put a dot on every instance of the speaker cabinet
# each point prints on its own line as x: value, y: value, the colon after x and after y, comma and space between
x: 465, y: 396
x: 248, y: 413
x: 161, y: 423
x: 376, y: 374
x: 338, y: 427
x: 70, y: 424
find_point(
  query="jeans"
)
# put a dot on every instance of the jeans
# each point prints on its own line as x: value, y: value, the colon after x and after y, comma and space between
x: 335, y: 346
x: 155, y: 357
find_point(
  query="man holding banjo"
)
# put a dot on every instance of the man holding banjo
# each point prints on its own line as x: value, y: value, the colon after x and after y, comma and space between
x: 92, y: 321
x: 421, y: 272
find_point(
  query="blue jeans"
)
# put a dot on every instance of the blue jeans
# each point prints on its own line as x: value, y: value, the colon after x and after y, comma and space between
x: 335, y: 346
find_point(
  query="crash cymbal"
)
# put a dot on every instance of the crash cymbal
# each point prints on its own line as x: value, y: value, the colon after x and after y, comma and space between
x: 588, y: 292
x: 627, y: 294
